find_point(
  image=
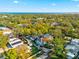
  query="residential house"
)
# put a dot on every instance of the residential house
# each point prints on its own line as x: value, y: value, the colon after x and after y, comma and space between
x: 55, y: 24
x: 23, y: 25
x: 50, y: 37
x: 31, y: 38
x: 39, y: 40
x: 15, y: 42
x: 5, y: 31
x: 42, y: 40
x: 40, y: 18
x: 72, y: 48
x: 4, y: 16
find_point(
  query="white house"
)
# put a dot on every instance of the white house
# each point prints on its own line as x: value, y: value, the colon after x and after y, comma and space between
x: 15, y: 42
x: 5, y: 30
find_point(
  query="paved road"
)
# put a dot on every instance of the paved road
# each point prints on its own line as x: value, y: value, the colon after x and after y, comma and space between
x: 43, y: 56
x: 34, y: 55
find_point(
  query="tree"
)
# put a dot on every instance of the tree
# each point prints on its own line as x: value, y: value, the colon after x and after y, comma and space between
x: 3, y: 41
x: 59, y: 48
x: 23, y: 52
x: 11, y: 54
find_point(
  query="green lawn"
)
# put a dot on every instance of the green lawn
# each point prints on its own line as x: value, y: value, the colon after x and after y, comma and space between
x: 34, y: 50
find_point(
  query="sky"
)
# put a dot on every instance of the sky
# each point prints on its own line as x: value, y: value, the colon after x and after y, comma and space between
x: 39, y: 5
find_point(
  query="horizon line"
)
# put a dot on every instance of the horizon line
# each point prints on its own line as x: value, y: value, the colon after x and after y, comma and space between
x: 39, y: 12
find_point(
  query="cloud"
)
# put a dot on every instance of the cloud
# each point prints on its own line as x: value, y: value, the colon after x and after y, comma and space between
x: 77, y: 5
x: 76, y: 0
x: 53, y: 4
x: 16, y: 2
